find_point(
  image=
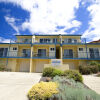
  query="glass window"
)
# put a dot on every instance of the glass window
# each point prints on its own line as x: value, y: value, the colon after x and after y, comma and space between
x: 68, y: 53
x: 55, y: 40
x: 80, y: 49
x: 3, y: 52
x: 52, y: 49
x: 69, y: 40
x: 14, y: 48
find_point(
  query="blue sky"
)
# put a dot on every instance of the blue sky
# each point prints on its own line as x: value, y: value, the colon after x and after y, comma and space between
x: 49, y: 17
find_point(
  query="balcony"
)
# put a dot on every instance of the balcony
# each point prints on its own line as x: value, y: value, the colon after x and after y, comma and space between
x: 21, y: 41
x: 82, y: 55
x: 14, y: 54
x: 47, y: 55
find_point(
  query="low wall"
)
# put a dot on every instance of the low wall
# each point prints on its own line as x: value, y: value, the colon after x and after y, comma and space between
x: 61, y: 67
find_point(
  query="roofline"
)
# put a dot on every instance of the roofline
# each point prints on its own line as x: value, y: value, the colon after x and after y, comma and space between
x: 50, y: 35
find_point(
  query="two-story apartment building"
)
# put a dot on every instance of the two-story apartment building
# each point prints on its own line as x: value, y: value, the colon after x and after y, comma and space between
x: 30, y: 53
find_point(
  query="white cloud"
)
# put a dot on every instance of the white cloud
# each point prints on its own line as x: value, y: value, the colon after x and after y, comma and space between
x: 45, y: 15
x: 11, y: 22
x: 3, y: 40
x: 94, y: 25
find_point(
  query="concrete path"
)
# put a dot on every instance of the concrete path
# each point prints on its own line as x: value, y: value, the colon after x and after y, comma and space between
x: 15, y: 85
x: 92, y: 82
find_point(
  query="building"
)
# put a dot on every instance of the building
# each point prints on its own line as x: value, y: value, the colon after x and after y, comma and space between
x: 31, y: 53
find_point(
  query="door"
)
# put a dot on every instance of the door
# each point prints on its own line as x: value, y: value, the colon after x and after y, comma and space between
x: 42, y: 52
x: 68, y: 53
x: 57, y: 53
x: 26, y: 52
x: 94, y: 53
x: 3, y: 52
x: 25, y: 66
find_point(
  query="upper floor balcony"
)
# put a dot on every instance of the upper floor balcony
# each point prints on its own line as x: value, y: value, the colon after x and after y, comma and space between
x: 51, y: 55
x: 44, y: 55
x: 14, y: 54
x: 49, y: 41
x: 82, y: 55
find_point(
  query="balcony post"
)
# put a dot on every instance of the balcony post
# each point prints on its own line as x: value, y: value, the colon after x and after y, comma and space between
x: 31, y: 62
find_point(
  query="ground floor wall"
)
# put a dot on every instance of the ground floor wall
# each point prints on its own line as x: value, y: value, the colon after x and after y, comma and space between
x: 37, y: 65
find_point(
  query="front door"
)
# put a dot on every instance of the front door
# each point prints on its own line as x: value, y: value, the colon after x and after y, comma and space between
x: 57, y: 53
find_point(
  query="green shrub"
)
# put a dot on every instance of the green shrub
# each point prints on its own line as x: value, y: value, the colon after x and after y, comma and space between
x: 94, y: 68
x: 2, y: 68
x: 43, y: 91
x: 57, y: 72
x: 84, y: 70
x: 51, y: 72
x: 47, y: 72
x: 71, y: 90
x: 93, y: 63
x: 89, y: 69
x: 74, y: 75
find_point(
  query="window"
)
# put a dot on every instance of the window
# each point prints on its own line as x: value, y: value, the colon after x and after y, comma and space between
x: 94, y: 52
x: 69, y: 40
x: 75, y: 41
x: 26, y: 52
x: 55, y: 40
x: 14, y: 48
x: 52, y: 49
x: 68, y: 53
x: 41, y: 52
x: 80, y: 49
x: 45, y: 40
x: 3, y: 52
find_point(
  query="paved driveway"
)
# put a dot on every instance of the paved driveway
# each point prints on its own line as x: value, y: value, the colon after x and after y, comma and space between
x: 92, y: 82
x: 15, y: 85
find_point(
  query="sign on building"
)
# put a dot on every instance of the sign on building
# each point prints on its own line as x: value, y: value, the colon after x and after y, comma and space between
x: 56, y: 62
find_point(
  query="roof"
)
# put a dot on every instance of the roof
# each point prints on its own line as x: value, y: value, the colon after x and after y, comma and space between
x: 97, y: 41
x: 50, y: 35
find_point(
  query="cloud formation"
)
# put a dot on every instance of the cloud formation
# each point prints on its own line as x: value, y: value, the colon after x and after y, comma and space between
x: 93, y: 31
x: 11, y: 22
x: 46, y: 15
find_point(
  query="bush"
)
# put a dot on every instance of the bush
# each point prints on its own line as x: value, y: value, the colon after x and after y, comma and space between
x: 57, y: 72
x: 93, y: 63
x: 51, y: 72
x: 47, y: 72
x: 94, y: 68
x: 74, y: 75
x: 43, y: 90
x: 2, y: 68
x: 71, y: 90
x: 89, y: 69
